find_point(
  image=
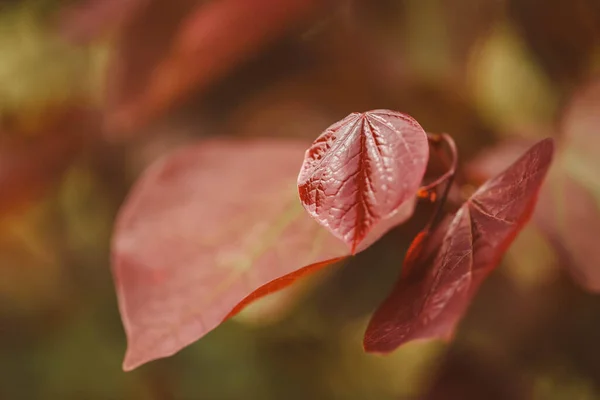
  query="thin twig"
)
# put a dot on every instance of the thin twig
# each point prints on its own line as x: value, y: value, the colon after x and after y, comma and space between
x: 448, y: 177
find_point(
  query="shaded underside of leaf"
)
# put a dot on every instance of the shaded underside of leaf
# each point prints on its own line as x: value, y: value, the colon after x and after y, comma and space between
x: 204, y: 228
x: 429, y: 303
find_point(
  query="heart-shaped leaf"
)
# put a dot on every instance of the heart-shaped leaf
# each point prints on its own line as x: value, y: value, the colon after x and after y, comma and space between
x: 205, y: 228
x: 430, y: 301
x: 361, y: 175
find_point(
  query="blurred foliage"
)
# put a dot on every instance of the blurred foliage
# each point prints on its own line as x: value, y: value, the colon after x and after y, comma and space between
x: 37, y: 68
x: 483, y: 71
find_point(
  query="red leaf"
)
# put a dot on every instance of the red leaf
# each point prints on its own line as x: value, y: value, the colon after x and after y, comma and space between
x: 491, y: 161
x: 88, y: 19
x: 192, y: 52
x: 429, y: 303
x: 361, y: 176
x: 143, y: 42
x: 204, y: 228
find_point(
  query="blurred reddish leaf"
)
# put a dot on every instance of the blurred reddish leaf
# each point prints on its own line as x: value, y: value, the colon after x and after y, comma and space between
x: 143, y: 42
x: 361, y: 176
x: 34, y: 157
x: 164, y: 56
x: 203, y: 229
x: 580, y: 127
x: 430, y: 302
x: 86, y: 20
x: 569, y: 216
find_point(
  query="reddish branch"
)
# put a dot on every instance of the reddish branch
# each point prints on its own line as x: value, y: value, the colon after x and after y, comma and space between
x: 429, y: 191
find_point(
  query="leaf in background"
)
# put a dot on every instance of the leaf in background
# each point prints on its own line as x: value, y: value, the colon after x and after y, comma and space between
x: 581, y: 130
x: 361, y: 176
x: 29, y: 165
x: 86, y: 20
x: 202, y: 229
x: 569, y: 217
x: 569, y: 214
x: 143, y: 42
x: 429, y: 303
x: 153, y: 72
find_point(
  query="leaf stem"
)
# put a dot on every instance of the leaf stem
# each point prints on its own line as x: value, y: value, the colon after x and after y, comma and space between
x: 436, y: 141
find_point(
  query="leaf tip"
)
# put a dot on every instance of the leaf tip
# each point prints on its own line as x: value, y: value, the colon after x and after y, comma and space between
x: 130, y: 363
x: 547, y: 145
x: 372, y: 346
x: 136, y: 355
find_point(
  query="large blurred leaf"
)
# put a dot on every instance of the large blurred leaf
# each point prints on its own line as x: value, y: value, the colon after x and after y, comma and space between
x: 203, y: 228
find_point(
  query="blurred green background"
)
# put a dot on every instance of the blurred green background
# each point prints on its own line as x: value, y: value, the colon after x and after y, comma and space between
x: 488, y: 72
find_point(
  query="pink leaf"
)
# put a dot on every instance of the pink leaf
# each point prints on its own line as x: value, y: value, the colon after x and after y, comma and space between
x: 360, y: 177
x: 203, y: 229
x: 429, y: 302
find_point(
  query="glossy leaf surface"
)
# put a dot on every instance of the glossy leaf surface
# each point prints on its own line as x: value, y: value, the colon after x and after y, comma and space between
x: 361, y: 175
x: 202, y: 230
x: 430, y: 301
